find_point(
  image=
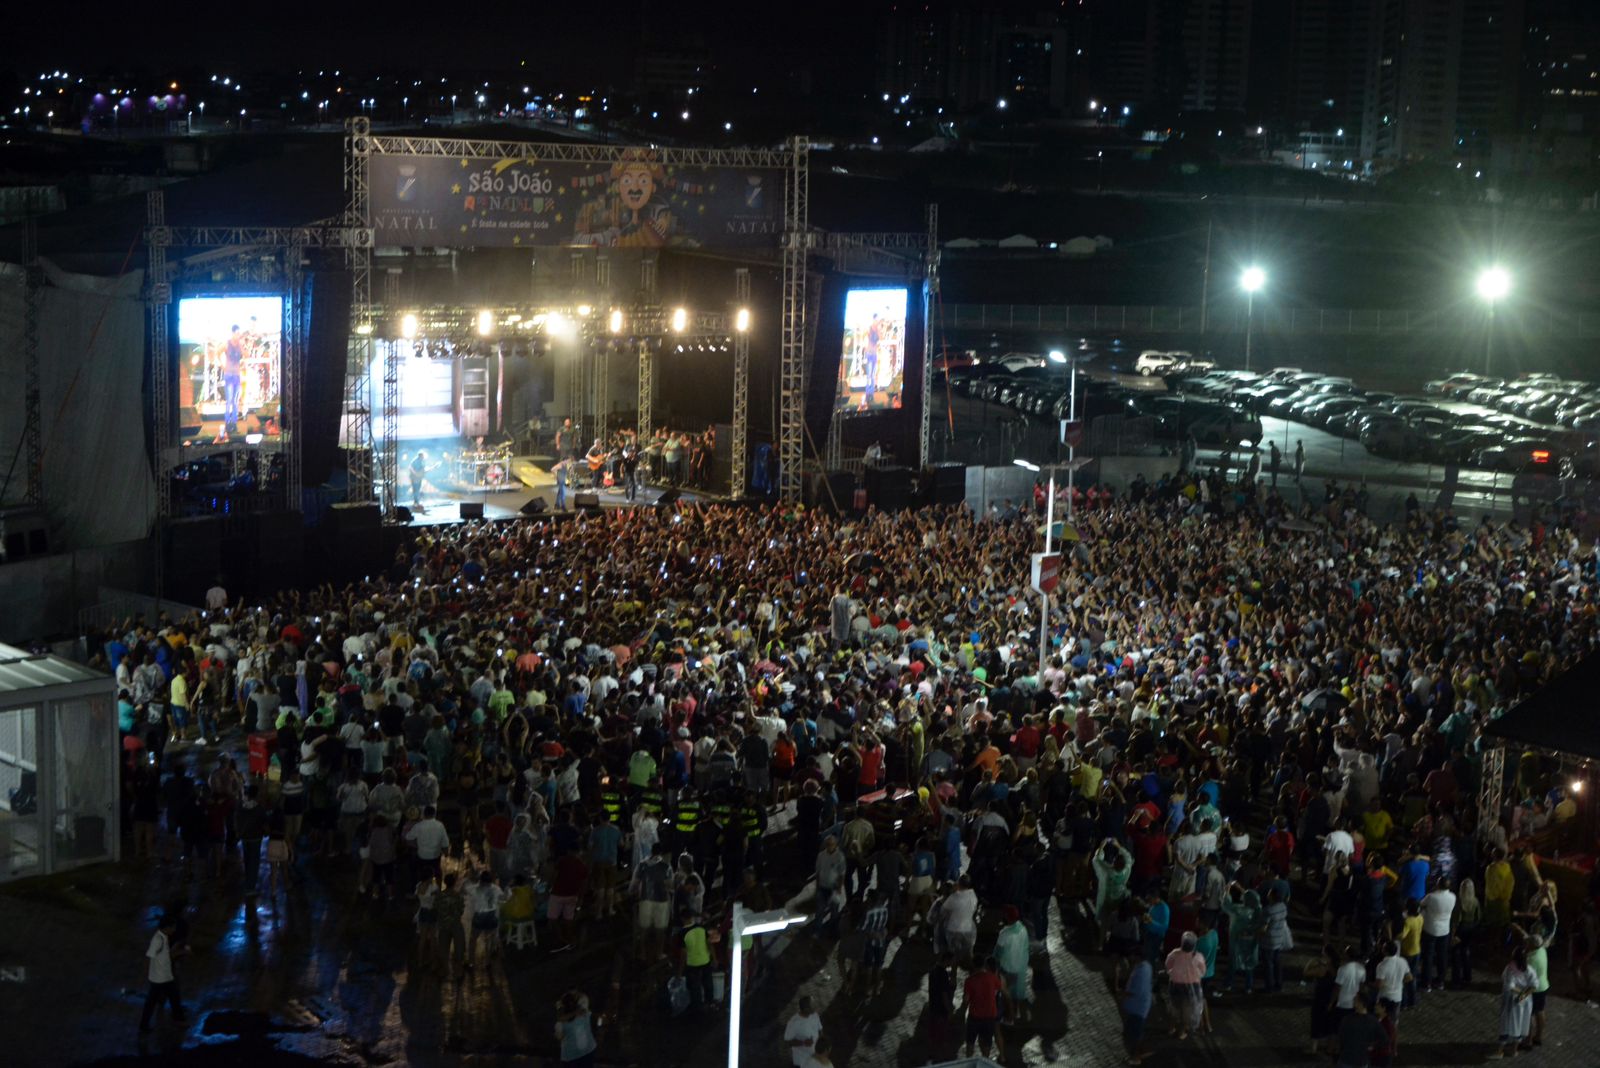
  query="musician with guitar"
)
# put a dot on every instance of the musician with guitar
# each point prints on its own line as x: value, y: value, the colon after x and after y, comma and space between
x: 419, y: 471
x: 596, y: 458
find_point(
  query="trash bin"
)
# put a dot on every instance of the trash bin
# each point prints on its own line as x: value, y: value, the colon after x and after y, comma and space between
x: 262, y: 745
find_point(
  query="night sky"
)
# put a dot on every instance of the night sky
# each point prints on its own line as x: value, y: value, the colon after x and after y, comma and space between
x: 565, y: 40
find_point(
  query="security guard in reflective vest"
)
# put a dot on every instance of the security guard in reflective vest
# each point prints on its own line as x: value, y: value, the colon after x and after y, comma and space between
x: 753, y: 821
x: 613, y: 805
x: 686, y: 820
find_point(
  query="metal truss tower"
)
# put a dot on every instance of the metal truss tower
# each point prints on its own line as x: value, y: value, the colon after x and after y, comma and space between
x: 792, y: 345
x: 739, y: 475
x: 362, y: 459
x: 930, y: 293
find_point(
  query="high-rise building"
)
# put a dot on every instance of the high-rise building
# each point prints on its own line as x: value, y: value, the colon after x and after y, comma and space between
x: 971, y: 54
x: 1406, y: 79
x: 1216, y: 54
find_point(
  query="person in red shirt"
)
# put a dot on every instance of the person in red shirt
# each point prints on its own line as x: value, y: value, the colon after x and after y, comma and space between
x: 572, y: 875
x: 1149, y: 852
x: 1025, y: 743
x: 497, y: 829
x: 984, y: 992
x: 871, y: 764
x: 1280, y: 849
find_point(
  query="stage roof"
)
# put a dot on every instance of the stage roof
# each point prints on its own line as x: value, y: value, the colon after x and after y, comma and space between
x: 1562, y: 716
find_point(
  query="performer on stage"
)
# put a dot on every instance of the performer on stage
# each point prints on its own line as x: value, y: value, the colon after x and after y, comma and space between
x: 232, y: 365
x: 566, y: 441
x: 419, y: 470
x: 597, y: 462
x: 869, y: 357
x: 560, y: 471
x: 630, y: 466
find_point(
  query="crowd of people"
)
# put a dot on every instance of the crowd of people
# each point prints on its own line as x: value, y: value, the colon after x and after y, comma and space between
x: 1255, y: 750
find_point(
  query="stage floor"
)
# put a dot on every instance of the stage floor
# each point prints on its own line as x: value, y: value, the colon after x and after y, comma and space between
x: 442, y: 500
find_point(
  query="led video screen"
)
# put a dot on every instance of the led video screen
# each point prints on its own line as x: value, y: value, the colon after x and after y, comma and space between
x: 872, y: 367
x: 230, y: 367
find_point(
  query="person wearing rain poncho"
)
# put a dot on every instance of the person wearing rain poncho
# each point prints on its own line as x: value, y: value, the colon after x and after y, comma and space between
x: 1245, y: 920
x: 1113, y: 864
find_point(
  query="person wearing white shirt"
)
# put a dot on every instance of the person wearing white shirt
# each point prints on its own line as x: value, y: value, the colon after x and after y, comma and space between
x: 1393, y: 973
x: 1437, y: 909
x: 431, y: 840
x: 163, y: 980
x: 800, y: 1034
x: 485, y: 900
x: 959, y: 916
x: 1338, y: 843
x: 1347, y: 982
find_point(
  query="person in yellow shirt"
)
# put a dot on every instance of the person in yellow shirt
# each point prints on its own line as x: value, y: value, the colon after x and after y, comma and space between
x: 1376, y: 825
x: 1498, y: 885
x: 520, y: 904
x: 1411, y: 947
x: 1087, y: 778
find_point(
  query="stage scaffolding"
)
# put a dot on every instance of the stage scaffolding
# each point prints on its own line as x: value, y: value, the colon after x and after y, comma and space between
x: 372, y: 462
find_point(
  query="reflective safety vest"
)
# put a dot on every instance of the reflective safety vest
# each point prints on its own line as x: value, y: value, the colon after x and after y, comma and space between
x: 650, y: 800
x: 611, y: 803
x: 725, y: 814
x: 688, y: 817
x: 752, y: 822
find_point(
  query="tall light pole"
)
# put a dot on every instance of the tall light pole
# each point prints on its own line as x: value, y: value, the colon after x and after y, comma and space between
x: 1494, y: 283
x: 746, y: 922
x: 1251, y: 280
x: 1049, y: 529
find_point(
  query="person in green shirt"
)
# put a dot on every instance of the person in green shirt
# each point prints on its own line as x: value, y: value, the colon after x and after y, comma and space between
x: 500, y: 702
x: 695, y: 964
x: 641, y: 769
x: 1539, y: 965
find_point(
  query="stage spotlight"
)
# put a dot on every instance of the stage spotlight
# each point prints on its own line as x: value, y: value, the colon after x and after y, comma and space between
x: 584, y: 311
x: 364, y: 329
x: 741, y: 320
x: 616, y: 320
x: 559, y: 326
x: 485, y: 323
x: 680, y: 320
x: 408, y: 326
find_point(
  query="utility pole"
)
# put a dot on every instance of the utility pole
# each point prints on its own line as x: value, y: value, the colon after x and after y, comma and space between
x: 1205, y: 288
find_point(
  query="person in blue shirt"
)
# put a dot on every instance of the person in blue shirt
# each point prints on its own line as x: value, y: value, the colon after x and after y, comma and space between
x: 576, y: 699
x: 1414, y: 871
x: 1137, y: 995
x: 952, y: 849
x: 1157, y: 918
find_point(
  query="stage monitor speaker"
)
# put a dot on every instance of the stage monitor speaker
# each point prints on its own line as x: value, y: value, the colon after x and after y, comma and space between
x: 949, y: 483
x: 668, y: 498
x: 586, y: 502
x: 402, y: 514
x: 889, y: 488
x: 535, y: 506
x: 471, y: 509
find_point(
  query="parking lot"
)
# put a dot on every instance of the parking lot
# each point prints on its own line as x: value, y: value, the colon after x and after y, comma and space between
x: 1478, y: 442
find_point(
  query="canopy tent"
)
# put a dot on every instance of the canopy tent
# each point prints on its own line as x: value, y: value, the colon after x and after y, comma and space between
x: 1562, y: 716
x: 58, y: 765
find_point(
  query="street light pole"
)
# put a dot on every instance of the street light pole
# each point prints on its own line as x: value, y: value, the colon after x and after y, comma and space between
x: 746, y: 922
x: 1249, y: 326
x: 1488, y: 342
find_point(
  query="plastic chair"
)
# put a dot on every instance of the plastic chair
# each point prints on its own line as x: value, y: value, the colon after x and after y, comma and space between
x: 519, y: 933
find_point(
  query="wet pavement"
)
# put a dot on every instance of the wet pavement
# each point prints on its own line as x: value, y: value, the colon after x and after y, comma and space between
x: 318, y: 976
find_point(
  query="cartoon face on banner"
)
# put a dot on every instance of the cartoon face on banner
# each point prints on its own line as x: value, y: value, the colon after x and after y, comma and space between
x: 627, y: 214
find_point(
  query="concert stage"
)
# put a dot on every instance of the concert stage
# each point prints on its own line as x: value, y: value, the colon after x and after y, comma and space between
x: 443, y: 496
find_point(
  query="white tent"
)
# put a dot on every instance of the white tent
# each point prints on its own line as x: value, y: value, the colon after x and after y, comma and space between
x: 1018, y: 241
x: 59, y: 748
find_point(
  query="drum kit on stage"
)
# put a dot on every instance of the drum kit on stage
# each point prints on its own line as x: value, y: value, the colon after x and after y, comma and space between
x: 488, y: 469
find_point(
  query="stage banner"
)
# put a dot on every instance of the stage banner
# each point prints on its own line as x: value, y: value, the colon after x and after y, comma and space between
x: 634, y: 202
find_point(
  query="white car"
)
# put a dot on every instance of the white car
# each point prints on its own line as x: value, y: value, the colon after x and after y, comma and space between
x: 1020, y: 361
x: 1158, y: 362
